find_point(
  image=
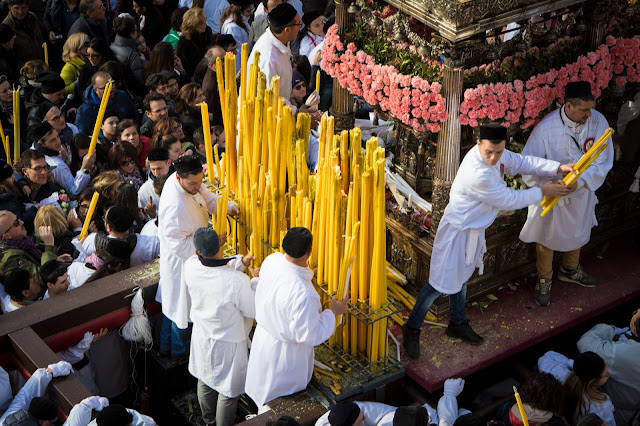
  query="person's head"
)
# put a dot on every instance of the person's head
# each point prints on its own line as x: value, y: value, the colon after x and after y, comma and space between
x: 584, y: 382
x: 162, y: 59
x: 313, y: 22
x: 84, y: 202
x: 471, y: 420
x: 43, y: 410
x: 123, y: 156
x: 114, y: 415
x: 116, y: 71
x: 207, y: 243
x: 155, y: 106
x: 98, y: 52
x: 7, y: 37
x: 227, y: 42
x: 492, y: 142
x: 346, y: 413
x: 176, y: 18
x: 542, y: 391
x: 590, y: 368
x: 11, y: 226
x: 118, y: 220
x: 217, y: 136
x: 158, y: 184
x: 75, y: 47
x: 110, y: 125
x: 51, y: 86
x: 634, y: 325
x: 171, y: 144
x: 578, y: 101
x: 299, y: 87
x: 49, y: 215
x: 21, y: 285
x: 283, y: 421
x: 46, y: 136
x: 297, y: 243
x: 212, y: 54
x: 141, y: 6
x: 159, y: 163
x: 194, y: 22
x: 19, y: 8
x: 93, y: 10
x: 54, y: 275
x: 32, y: 68
x: 5, y: 90
x: 99, y: 82
x: 239, y: 11
x: 106, y: 184
x: 157, y: 83
x: 173, y: 87
x: 191, y: 94
x: 128, y: 131
x: 269, y: 5
x: 34, y: 166
x: 6, y: 177
x: 79, y: 148
x: 411, y: 416
x: 169, y: 126
x: 284, y: 22
x: 125, y: 26
x: 55, y: 118
x: 127, y: 196
x: 301, y: 64
x: 189, y: 173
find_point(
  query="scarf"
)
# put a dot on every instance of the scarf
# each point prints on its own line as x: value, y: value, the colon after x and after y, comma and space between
x: 214, y: 262
x: 93, y: 261
x: 46, y: 151
x: 134, y: 178
x: 534, y: 415
x: 26, y: 244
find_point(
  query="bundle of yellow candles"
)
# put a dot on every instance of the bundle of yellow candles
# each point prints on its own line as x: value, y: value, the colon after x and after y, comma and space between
x: 16, y: 125
x: 585, y: 161
x: 103, y: 108
x: 87, y: 220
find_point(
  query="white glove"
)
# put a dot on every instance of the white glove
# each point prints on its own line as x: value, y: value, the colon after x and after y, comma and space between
x: 86, y: 341
x: 97, y: 403
x: 62, y: 368
x: 453, y: 387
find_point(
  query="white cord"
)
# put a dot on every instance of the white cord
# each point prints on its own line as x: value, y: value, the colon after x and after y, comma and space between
x: 138, y: 329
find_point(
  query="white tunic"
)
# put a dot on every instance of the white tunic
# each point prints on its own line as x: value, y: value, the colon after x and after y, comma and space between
x: 275, y: 59
x: 147, y: 248
x: 222, y: 311
x: 178, y: 219
x: 80, y: 415
x: 568, y: 225
x: 478, y: 194
x: 290, y: 323
x: 308, y: 44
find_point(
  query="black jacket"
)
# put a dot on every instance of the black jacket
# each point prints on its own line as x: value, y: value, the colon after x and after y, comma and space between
x: 53, y: 18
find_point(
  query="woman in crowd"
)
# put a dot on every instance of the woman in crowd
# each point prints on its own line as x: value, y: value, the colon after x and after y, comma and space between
x: 105, y: 184
x: 124, y: 47
x: 10, y: 197
x: 171, y: 144
x: 74, y: 55
x: 28, y: 74
x: 235, y: 21
x: 129, y: 131
x: 50, y: 215
x: 196, y: 39
x: 123, y: 158
x: 77, y: 216
x: 312, y: 34
x: 98, y: 53
x: 152, y: 25
x: 169, y: 126
x: 542, y: 397
x: 127, y: 196
x: 188, y: 107
x: 79, y: 148
x: 163, y: 58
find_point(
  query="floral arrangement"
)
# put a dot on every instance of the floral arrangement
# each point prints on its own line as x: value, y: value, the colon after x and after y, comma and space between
x: 413, y: 100
x: 63, y: 200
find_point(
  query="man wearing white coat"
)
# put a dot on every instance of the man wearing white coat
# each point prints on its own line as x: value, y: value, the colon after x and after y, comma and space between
x: 222, y: 311
x: 478, y: 194
x: 290, y: 322
x: 565, y: 135
x: 185, y: 206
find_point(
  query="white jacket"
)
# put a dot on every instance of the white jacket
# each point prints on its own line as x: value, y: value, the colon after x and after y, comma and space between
x: 222, y: 311
x: 147, y: 248
x: 63, y: 177
x: 178, y: 219
x: 275, y: 59
x: 568, y: 225
x: 478, y: 194
x: 290, y: 323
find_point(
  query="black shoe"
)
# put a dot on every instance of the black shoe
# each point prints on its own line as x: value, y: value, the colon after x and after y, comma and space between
x: 465, y: 332
x: 411, y: 341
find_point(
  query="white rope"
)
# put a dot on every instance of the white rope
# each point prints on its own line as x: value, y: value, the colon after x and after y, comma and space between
x: 138, y: 329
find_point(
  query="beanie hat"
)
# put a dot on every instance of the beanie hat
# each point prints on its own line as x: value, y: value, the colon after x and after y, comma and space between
x: 6, y: 33
x: 296, y: 78
x: 114, y: 415
x: 50, y: 81
x: 308, y: 18
x: 588, y: 366
x: 282, y: 14
x: 5, y: 170
x: 345, y: 413
x: 297, y: 242
x: 41, y: 131
x: 411, y: 416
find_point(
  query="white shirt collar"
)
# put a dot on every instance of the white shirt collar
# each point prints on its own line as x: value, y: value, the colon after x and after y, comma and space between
x: 284, y: 49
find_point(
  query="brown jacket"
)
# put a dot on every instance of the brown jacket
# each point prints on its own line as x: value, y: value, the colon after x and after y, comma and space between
x: 29, y: 37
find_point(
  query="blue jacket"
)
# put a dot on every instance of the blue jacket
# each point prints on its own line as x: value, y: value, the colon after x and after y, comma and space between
x: 88, y: 111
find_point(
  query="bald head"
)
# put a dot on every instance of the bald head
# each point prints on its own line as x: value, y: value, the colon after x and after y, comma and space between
x: 212, y: 54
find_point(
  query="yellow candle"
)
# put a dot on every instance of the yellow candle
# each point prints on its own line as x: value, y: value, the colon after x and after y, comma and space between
x: 46, y: 53
x: 318, y: 82
x: 16, y: 125
x: 103, y: 108
x: 204, y: 110
x: 87, y: 220
x: 7, y: 149
x: 520, y: 407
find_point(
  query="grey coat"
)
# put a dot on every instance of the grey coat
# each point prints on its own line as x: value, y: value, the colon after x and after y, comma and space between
x: 125, y: 52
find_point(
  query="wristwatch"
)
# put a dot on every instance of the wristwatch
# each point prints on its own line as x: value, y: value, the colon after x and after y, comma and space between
x: 85, y: 171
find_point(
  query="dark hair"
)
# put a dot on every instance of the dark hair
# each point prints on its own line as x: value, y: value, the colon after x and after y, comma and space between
x: 198, y: 137
x: 236, y: 13
x: 158, y: 183
x: 119, y: 217
x: 115, y: 71
x: 158, y: 154
x: 85, y: 6
x: 110, y: 266
x: 188, y: 93
x: 78, y: 142
x: 152, y: 82
x: 225, y: 41
x: 124, y: 125
x: 101, y: 46
x: 542, y: 391
x: 151, y: 97
x: 17, y: 2
x: 176, y: 17
x: 164, y: 126
x: 126, y: 196
x: 124, y: 26
x: 16, y: 282
x: 161, y: 59
x: 120, y: 151
x: 302, y: 64
x: 28, y: 155
x: 51, y: 271
x: 164, y: 141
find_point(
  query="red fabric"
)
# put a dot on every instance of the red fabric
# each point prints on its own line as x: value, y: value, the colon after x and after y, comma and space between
x: 146, y: 147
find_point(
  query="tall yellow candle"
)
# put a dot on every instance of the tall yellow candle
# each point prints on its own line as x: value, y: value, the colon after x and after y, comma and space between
x: 46, y: 53
x: 87, y: 220
x: 204, y: 110
x: 318, y: 82
x: 16, y: 125
x: 103, y: 108
x: 520, y: 407
x: 7, y: 148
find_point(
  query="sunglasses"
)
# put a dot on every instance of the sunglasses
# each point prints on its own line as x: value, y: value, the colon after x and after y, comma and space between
x: 127, y: 163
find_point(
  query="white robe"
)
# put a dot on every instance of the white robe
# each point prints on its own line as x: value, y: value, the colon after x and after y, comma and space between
x: 80, y: 415
x: 147, y: 248
x: 222, y: 311
x: 275, y: 59
x: 568, y: 225
x: 35, y: 387
x: 478, y: 194
x: 178, y: 219
x: 290, y: 323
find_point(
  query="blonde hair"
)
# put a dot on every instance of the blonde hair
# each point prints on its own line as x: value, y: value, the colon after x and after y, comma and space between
x: 105, y: 181
x: 192, y: 19
x: 49, y: 215
x: 72, y: 46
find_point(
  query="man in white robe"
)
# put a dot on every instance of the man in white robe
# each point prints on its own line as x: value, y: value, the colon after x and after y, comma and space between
x: 222, y: 311
x: 186, y: 205
x: 290, y: 322
x: 564, y: 135
x: 478, y: 194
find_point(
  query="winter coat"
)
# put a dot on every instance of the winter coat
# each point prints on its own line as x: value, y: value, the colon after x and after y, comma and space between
x: 125, y: 51
x: 69, y: 74
x: 88, y: 111
x: 93, y: 30
x: 29, y: 37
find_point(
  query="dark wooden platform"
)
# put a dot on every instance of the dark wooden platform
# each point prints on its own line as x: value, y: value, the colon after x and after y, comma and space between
x: 515, y: 322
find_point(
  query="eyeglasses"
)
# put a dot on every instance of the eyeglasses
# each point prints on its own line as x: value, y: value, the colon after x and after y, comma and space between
x: 56, y: 118
x: 299, y: 24
x: 127, y: 163
x: 16, y: 223
x: 40, y: 169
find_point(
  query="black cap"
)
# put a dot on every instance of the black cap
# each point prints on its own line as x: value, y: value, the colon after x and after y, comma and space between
x: 297, y: 77
x: 207, y: 242
x: 282, y: 14
x: 114, y: 415
x: 5, y: 170
x: 308, y: 18
x: 41, y: 131
x: 345, y: 413
x: 158, y: 154
x: 119, y: 218
x: 43, y: 408
x: 493, y: 132
x: 241, y: 3
x: 50, y: 81
x: 188, y: 165
x: 578, y: 90
x: 588, y: 366
x: 297, y: 242
x: 411, y: 416
x: 470, y: 420
x: 6, y: 33
x: 119, y: 248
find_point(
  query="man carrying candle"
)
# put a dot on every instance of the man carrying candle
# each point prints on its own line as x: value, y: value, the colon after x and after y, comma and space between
x: 478, y: 194
x: 564, y: 135
x: 186, y: 206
